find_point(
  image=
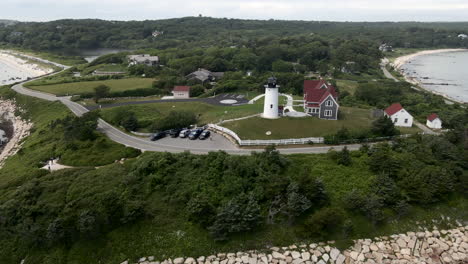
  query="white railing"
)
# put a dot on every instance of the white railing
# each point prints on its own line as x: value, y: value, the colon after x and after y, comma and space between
x: 292, y: 141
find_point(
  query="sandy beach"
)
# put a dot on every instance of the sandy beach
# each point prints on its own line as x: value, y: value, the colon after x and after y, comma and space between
x: 14, y: 69
x: 407, y: 58
x: 400, y: 61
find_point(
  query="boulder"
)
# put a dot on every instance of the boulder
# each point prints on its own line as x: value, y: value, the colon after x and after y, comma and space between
x: 341, y: 259
x: 334, y: 253
x: 178, y: 261
x: 325, y: 257
x: 295, y: 254
x: 405, y: 251
x: 278, y: 255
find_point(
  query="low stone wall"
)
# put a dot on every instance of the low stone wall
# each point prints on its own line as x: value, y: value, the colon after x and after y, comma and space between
x: 444, y: 246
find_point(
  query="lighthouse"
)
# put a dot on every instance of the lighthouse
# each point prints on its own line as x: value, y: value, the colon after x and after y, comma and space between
x: 270, y: 108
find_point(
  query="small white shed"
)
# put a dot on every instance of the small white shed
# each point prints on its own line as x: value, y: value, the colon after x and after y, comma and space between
x: 399, y: 116
x: 433, y: 121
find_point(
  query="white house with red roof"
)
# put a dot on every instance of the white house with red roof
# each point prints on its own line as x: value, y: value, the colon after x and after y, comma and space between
x: 320, y: 99
x: 181, y: 92
x: 399, y: 116
x: 433, y: 121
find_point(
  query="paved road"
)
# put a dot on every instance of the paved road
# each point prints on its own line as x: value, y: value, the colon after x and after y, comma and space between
x: 387, y: 74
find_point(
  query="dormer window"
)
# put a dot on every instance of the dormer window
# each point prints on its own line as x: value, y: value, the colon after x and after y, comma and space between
x: 329, y: 103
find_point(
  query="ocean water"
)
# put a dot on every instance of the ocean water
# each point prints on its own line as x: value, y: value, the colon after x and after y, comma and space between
x: 444, y: 73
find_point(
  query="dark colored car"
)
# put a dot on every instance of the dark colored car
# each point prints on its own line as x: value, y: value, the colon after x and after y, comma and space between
x: 174, y: 132
x: 184, y: 133
x: 158, y: 135
x: 195, y: 133
x: 205, y: 134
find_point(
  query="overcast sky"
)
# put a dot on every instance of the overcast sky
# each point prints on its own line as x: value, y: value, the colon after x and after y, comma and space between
x: 335, y: 10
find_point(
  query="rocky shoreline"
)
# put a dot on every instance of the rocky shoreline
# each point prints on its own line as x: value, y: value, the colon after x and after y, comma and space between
x: 437, y: 246
x: 16, y: 131
x: 400, y: 61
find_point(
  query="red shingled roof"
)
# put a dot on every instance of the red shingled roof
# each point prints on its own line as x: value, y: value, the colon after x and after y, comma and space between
x: 394, y: 108
x: 314, y: 93
x: 181, y: 89
x: 432, y: 116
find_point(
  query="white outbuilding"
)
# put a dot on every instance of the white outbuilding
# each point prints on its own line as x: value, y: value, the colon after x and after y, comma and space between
x: 399, y: 116
x: 433, y: 121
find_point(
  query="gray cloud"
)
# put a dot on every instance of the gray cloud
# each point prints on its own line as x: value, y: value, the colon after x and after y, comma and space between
x: 337, y: 10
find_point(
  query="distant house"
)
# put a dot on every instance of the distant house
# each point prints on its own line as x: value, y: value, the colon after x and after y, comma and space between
x: 320, y: 99
x: 143, y: 59
x: 399, y: 116
x: 463, y: 36
x: 204, y: 75
x: 181, y: 92
x: 385, y: 48
x: 433, y: 121
x: 349, y: 67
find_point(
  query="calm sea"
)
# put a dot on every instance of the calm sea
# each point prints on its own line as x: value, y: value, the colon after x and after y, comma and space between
x: 445, y: 73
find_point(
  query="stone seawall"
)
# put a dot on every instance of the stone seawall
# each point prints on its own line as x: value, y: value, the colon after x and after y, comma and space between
x: 444, y: 246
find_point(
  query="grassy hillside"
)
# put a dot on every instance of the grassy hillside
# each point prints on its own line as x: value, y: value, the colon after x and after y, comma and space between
x: 88, y: 87
x: 207, y: 113
x: 47, y: 141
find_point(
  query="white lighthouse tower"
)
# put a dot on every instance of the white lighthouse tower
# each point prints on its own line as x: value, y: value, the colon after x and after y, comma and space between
x: 270, y: 108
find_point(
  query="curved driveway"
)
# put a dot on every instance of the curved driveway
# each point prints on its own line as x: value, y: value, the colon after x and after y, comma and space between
x: 218, y: 142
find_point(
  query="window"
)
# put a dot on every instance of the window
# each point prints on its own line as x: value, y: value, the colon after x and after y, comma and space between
x: 271, y: 106
x: 315, y: 110
x: 328, y: 112
x: 329, y: 103
x: 395, y: 120
x: 310, y: 110
x: 406, y: 121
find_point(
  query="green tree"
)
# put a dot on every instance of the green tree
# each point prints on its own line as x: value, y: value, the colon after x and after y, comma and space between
x: 241, y: 213
x: 100, y: 92
x: 197, y: 90
x: 344, y: 157
x: 175, y: 119
x: 384, y: 127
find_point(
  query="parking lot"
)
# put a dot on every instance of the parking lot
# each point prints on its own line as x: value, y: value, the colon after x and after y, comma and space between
x: 215, y: 141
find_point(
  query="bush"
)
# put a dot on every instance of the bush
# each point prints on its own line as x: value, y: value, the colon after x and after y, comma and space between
x: 241, y: 213
x: 324, y: 222
x: 384, y: 127
x: 175, y: 119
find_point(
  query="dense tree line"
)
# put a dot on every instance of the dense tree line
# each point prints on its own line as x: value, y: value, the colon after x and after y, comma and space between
x: 204, y: 31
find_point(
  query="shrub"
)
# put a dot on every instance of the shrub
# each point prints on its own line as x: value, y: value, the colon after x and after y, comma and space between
x: 241, y: 213
x: 175, y: 119
x: 324, y: 222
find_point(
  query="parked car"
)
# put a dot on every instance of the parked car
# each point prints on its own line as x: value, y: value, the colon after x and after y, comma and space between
x: 158, y: 135
x: 195, y: 133
x: 204, y: 135
x: 184, y: 133
x: 174, y: 132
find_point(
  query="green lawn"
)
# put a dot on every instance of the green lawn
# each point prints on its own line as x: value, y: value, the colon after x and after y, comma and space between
x: 88, y: 87
x: 347, y: 85
x: 113, y: 68
x: 48, y: 141
x: 148, y: 113
x: 288, y: 127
